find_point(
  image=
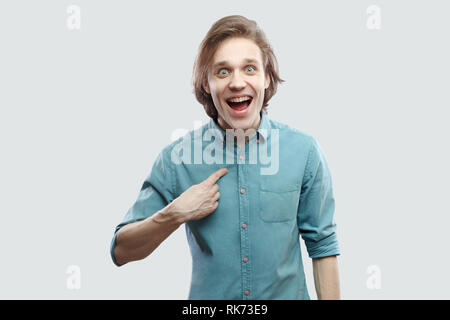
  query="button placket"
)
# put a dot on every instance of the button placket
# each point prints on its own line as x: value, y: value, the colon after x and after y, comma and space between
x: 244, y: 215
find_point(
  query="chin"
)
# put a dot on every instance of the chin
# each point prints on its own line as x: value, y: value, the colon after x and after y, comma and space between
x: 240, y: 121
x: 243, y: 123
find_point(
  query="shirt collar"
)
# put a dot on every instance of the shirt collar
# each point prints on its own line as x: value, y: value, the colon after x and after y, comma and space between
x: 262, y: 132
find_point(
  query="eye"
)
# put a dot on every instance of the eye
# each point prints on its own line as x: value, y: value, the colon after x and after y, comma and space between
x: 250, y: 69
x: 223, y: 72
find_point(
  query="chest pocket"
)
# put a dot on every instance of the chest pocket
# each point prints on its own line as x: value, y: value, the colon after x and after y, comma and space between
x: 279, y: 204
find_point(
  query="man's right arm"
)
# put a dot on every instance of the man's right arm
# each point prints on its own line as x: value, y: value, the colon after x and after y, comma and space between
x: 137, y: 240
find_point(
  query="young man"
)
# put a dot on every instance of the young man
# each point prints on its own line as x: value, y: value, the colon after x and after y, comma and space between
x: 244, y: 240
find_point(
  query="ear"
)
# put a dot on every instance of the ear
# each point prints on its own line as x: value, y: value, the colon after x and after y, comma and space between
x: 206, y: 87
x: 266, y: 81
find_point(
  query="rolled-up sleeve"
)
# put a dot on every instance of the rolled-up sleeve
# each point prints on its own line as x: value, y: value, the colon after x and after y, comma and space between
x: 156, y: 193
x: 315, y: 216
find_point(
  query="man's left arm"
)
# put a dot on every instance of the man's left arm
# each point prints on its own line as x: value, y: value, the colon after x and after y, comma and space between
x: 316, y: 223
x: 326, y: 278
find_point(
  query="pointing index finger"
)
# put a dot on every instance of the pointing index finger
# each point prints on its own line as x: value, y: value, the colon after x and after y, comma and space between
x: 212, y: 179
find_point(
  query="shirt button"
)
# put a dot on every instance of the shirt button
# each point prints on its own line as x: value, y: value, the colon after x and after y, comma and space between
x: 241, y: 157
x: 244, y: 226
x: 246, y: 292
x: 242, y: 191
x: 245, y: 259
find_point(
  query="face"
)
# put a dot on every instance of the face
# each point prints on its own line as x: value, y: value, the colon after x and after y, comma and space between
x: 236, y: 82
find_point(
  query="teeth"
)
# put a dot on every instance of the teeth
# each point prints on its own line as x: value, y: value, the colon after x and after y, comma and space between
x: 239, y: 99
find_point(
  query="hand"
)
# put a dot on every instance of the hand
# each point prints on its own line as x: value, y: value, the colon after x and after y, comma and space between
x: 200, y: 200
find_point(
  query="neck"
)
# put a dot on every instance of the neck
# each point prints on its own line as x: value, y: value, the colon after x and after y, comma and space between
x: 224, y: 125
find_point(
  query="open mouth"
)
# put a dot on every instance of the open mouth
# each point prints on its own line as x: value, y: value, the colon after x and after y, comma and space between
x: 239, y: 104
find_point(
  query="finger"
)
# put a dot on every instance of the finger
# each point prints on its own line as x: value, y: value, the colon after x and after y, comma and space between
x: 213, y: 207
x: 212, y: 179
x: 216, y: 196
x: 213, y: 190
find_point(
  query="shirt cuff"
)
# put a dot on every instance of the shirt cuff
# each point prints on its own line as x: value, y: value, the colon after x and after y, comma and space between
x: 325, y: 247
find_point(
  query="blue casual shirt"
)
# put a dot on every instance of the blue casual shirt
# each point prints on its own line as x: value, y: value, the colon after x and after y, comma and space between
x: 249, y: 247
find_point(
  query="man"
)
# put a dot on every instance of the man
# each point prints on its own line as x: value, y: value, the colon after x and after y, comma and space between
x: 244, y: 240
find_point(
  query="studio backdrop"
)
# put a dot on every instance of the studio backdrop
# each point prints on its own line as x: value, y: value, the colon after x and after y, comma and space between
x: 92, y: 91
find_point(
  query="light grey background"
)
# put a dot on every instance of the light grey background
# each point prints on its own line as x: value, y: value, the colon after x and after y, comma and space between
x: 83, y: 114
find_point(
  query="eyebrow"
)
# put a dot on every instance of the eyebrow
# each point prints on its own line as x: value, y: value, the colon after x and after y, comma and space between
x: 225, y: 63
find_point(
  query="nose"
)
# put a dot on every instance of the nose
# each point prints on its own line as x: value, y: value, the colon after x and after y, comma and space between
x: 237, y: 82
